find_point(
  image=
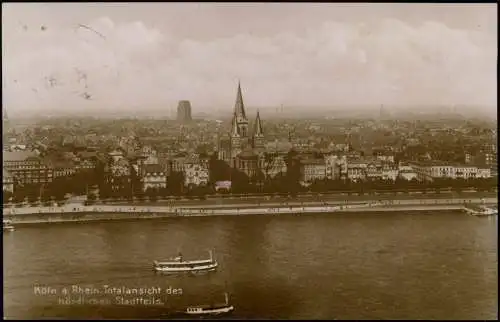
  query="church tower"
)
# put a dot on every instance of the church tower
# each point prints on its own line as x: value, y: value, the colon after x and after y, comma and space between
x: 236, y: 137
x: 239, y: 125
x: 240, y: 115
x: 258, y: 133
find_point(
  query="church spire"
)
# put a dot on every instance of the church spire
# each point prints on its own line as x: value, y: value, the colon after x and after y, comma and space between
x: 239, y: 107
x: 257, y: 130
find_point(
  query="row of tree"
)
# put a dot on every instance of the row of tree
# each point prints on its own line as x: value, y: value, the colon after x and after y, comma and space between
x: 404, y: 185
x: 82, y: 183
x: 60, y: 189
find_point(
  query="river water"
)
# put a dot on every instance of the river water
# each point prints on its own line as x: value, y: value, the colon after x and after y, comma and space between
x: 345, y: 266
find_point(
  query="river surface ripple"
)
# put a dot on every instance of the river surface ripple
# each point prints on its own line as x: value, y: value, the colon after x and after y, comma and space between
x: 324, y: 266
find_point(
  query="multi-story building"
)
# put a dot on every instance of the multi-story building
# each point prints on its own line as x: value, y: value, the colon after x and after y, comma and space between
x: 274, y: 165
x: 62, y: 165
x: 356, y: 170
x: 27, y: 168
x: 406, y: 172
x: 384, y: 155
x: 118, y: 172
x: 465, y: 172
x: 389, y: 171
x: 428, y: 171
x: 336, y: 167
x: 120, y: 167
x: 63, y: 169
x: 184, y: 111
x: 86, y: 165
x: 373, y: 170
x: 312, y: 170
x: 153, y: 176
x: 196, y: 171
x: 177, y: 163
x: 484, y: 173
x: 488, y: 158
x: 8, y: 181
x: 468, y: 158
x: 150, y: 155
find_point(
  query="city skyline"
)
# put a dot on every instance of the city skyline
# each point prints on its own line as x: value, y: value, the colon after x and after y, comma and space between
x: 73, y: 57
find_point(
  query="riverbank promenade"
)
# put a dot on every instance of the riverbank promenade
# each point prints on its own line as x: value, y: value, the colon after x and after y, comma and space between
x: 71, y: 213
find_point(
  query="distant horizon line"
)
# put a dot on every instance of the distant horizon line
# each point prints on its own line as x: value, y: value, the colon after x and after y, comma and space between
x: 285, y: 106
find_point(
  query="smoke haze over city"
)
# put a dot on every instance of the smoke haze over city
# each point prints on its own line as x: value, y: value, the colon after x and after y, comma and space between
x: 128, y: 57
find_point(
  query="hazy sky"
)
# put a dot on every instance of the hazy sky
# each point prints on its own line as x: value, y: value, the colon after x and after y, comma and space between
x: 149, y: 56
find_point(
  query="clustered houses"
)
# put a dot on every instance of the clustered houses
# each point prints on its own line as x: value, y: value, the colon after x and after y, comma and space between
x: 153, y: 171
x: 248, y: 155
x: 132, y: 165
x: 334, y: 167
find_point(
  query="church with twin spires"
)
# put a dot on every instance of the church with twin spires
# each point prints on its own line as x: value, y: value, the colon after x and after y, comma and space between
x: 243, y: 149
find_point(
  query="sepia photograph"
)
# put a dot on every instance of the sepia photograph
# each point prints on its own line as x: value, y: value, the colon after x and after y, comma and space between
x: 251, y: 160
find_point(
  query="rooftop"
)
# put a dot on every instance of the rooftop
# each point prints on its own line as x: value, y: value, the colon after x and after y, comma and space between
x: 58, y: 161
x: 152, y: 168
x: 313, y: 161
x: 247, y: 153
x: 437, y: 163
x: 192, y: 158
x: 87, y: 154
x: 17, y: 155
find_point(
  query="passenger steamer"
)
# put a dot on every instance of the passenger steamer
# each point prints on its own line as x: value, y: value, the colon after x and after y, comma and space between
x: 481, y: 211
x: 217, y: 309
x: 179, y: 265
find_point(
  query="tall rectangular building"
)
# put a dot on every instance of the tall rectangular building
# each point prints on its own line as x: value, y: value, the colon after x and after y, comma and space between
x: 184, y: 111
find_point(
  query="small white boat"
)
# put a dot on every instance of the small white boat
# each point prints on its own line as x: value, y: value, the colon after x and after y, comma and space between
x: 482, y: 211
x: 179, y: 265
x: 7, y: 225
x: 216, y: 309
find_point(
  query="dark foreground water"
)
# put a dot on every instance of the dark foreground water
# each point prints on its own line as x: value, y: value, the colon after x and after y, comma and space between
x: 352, y: 266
